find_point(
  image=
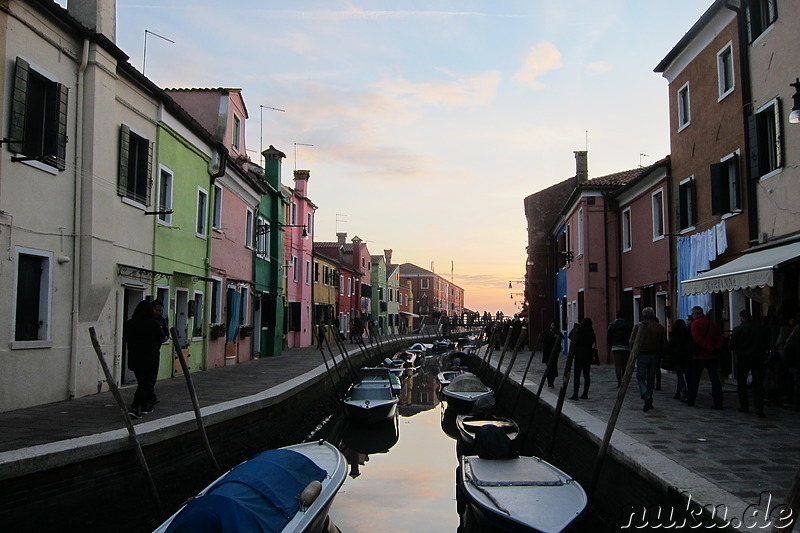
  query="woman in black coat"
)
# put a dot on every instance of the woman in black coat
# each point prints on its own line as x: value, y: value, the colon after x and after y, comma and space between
x: 143, y: 335
x: 678, y: 349
x: 583, y: 342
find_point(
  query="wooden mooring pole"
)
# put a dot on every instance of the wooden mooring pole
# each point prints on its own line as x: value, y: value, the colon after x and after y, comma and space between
x: 612, y: 420
x: 193, y: 395
x: 112, y: 385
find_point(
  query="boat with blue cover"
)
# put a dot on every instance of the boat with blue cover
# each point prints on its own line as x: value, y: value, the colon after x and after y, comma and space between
x: 286, y: 490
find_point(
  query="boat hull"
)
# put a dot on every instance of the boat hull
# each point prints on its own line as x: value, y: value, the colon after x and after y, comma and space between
x: 525, y: 494
x: 468, y: 424
x: 462, y: 402
x: 311, y: 519
x: 359, y: 413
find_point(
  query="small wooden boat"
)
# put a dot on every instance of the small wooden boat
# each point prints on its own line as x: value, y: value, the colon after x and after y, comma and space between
x: 523, y: 494
x: 444, y: 378
x: 464, y: 390
x: 370, y: 401
x: 286, y: 490
x: 469, y: 424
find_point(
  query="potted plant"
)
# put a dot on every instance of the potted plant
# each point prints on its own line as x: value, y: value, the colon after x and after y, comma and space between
x: 217, y: 330
x: 245, y: 331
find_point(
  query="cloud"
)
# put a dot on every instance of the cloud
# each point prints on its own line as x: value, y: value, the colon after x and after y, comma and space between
x: 600, y: 67
x: 477, y: 89
x: 541, y: 58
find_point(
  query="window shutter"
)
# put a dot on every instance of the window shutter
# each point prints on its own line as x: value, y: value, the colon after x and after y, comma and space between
x: 752, y: 130
x: 55, y: 130
x: 61, y: 140
x: 124, y: 156
x: 717, y: 192
x: 148, y: 200
x: 19, y: 106
x: 683, y: 206
x: 734, y: 181
x: 693, y: 210
x: 778, y: 135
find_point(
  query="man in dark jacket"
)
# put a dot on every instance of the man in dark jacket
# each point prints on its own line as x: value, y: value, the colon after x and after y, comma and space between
x: 619, y: 331
x: 707, y: 336
x: 652, y: 348
x: 747, y: 345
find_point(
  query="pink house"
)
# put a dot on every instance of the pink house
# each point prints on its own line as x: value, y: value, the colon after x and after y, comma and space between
x: 298, y: 248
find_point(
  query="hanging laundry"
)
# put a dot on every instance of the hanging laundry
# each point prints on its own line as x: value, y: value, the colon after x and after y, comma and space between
x: 722, y: 237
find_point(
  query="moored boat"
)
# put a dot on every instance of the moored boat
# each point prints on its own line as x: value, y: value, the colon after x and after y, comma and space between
x: 370, y: 401
x: 286, y: 490
x: 522, y: 494
x: 469, y: 424
x: 464, y: 390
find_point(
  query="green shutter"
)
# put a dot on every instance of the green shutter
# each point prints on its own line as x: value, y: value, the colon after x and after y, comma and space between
x: 148, y: 200
x: 752, y: 130
x: 124, y: 156
x: 19, y: 106
x: 61, y: 138
x: 55, y: 128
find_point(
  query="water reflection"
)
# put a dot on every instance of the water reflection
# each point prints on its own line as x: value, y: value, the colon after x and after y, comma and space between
x: 358, y: 442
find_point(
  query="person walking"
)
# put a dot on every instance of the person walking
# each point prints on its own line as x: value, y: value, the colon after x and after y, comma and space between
x: 143, y: 336
x: 548, y: 339
x: 707, y: 337
x: 678, y: 349
x: 652, y: 348
x: 747, y: 345
x: 619, y: 331
x: 582, y: 343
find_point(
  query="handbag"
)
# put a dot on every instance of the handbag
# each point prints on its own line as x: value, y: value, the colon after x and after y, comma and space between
x: 595, y: 356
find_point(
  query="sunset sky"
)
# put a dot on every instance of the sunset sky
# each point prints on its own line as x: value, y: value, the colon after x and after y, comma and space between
x: 430, y: 121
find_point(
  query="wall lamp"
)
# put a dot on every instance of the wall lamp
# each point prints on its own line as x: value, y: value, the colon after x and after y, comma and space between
x: 263, y: 229
x: 794, y: 116
x: 514, y: 281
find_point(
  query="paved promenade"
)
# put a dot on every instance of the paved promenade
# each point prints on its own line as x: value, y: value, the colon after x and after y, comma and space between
x: 721, y: 457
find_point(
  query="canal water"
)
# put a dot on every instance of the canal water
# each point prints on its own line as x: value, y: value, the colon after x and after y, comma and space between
x: 402, y: 473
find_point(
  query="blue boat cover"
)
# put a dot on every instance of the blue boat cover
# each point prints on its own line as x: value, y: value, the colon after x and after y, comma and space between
x: 259, y: 495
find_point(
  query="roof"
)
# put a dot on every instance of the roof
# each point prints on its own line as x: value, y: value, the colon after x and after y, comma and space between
x: 411, y: 268
x: 617, y: 179
x: 689, y: 36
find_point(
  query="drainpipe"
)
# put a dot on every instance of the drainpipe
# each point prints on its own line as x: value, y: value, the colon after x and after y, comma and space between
x: 747, y: 111
x: 606, y: 206
x: 77, y: 229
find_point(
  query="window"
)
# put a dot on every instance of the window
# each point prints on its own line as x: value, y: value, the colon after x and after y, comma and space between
x: 262, y: 238
x: 627, y: 240
x: 726, y: 196
x: 295, y: 266
x: 33, y: 287
x: 658, y: 215
x: 684, y: 108
x: 308, y: 272
x: 765, y: 134
x: 316, y: 272
x: 248, y: 229
x: 38, y: 129
x: 135, y: 158
x: 725, y: 71
x: 424, y: 283
x: 349, y: 286
x: 202, y: 212
x: 294, y: 213
x: 759, y: 14
x: 216, y: 221
x: 245, y: 307
x: 580, y: 231
x: 216, y: 301
x: 199, y: 307
x: 308, y: 224
x: 687, y: 200
x: 165, y: 196
x: 237, y: 133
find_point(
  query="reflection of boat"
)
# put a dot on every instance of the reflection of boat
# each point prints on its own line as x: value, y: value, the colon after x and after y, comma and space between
x: 405, y: 358
x: 468, y: 424
x: 423, y: 347
x: 372, y: 439
x: 371, y: 400
x: 446, y: 377
x: 523, y: 494
x: 457, y: 360
x: 284, y: 490
x: 464, y: 390
x: 449, y: 423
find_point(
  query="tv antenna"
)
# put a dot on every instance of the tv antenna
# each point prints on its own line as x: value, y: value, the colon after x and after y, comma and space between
x: 261, y: 109
x: 295, y: 152
x: 144, y: 52
x: 340, y: 217
x: 640, y: 159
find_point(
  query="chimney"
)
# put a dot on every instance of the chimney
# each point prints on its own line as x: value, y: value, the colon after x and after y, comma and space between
x: 341, y: 237
x: 98, y: 15
x: 272, y: 166
x: 581, y: 166
x: 301, y: 182
x: 388, y: 255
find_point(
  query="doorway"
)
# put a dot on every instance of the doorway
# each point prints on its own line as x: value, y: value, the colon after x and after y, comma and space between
x: 131, y: 298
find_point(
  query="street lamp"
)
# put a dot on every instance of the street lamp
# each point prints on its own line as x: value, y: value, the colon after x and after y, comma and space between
x: 262, y: 228
x: 794, y: 116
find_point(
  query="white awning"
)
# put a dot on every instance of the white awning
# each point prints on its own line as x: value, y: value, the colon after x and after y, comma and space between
x: 754, y: 269
x: 409, y: 314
